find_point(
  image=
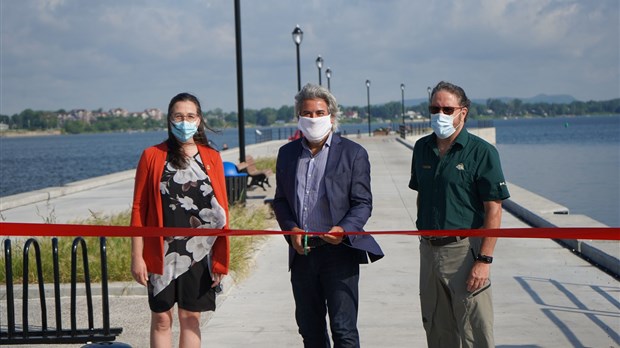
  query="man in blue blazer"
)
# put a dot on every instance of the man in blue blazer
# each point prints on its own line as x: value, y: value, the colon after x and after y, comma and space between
x: 323, y: 190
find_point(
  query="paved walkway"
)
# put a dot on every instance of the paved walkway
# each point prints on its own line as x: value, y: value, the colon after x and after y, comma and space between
x: 544, y: 295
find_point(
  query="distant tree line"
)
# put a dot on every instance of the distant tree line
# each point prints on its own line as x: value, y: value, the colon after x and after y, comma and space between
x: 48, y: 120
x: 494, y: 108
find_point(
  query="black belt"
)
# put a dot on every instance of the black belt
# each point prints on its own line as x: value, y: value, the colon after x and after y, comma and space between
x: 442, y: 241
x: 314, y: 242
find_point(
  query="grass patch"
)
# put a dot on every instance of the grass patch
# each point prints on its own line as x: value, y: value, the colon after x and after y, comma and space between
x: 119, y: 249
x: 242, y: 248
x: 265, y: 163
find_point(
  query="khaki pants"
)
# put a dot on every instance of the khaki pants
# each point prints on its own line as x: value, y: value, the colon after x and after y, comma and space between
x: 452, y: 316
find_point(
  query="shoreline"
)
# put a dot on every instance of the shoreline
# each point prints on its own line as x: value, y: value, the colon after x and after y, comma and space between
x: 24, y: 134
x: 27, y: 133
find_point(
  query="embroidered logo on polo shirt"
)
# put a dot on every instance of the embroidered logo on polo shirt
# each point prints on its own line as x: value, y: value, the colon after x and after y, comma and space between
x: 460, y: 166
x: 426, y: 166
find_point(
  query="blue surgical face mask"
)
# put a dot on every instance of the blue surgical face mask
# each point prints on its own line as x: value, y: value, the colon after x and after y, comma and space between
x: 443, y: 125
x: 184, y: 130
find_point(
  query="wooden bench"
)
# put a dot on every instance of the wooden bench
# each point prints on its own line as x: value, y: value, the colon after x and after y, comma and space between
x: 257, y: 177
x: 38, y: 332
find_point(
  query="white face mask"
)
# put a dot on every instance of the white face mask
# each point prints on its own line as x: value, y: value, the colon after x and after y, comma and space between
x: 443, y: 125
x: 315, y: 129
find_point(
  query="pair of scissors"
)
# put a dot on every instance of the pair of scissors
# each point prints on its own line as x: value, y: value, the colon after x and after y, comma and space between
x: 306, y: 243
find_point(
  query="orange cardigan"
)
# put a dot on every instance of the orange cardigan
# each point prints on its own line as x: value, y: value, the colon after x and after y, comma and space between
x: 147, y: 205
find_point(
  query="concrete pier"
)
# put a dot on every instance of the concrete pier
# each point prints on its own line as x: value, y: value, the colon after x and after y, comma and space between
x: 544, y: 295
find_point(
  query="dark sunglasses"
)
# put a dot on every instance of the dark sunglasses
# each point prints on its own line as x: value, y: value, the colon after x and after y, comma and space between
x: 447, y: 110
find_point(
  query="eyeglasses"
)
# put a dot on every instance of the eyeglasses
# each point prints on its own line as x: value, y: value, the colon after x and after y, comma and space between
x: 188, y: 117
x: 447, y: 110
x: 319, y: 113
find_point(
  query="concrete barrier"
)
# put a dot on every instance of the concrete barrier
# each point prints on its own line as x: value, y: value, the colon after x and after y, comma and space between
x: 9, y: 202
x: 538, y: 211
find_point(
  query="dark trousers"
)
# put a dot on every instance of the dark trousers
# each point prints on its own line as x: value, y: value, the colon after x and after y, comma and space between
x: 326, y: 281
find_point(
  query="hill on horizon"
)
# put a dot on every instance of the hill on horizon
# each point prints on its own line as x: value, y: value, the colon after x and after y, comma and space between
x: 540, y: 98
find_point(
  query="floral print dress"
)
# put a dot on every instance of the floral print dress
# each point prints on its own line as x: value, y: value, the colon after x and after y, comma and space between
x: 188, y: 200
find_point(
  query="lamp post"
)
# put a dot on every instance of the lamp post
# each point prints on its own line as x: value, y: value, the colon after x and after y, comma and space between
x: 328, y: 74
x: 298, y: 35
x: 402, y: 93
x: 368, y: 98
x: 240, y: 108
x: 319, y: 64
x: 429, y: 89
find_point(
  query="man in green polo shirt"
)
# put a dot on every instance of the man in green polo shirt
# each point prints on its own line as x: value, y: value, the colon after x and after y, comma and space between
x: 460, y: 185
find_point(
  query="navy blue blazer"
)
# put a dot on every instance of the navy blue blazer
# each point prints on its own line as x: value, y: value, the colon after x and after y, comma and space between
x: 347, y: 185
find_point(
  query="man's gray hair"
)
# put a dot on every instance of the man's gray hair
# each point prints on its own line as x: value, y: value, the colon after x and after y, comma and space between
x: 311, y: 91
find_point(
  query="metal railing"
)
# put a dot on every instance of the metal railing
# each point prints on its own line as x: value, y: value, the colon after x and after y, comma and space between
x: 421, y: 128
x: 268, y: 134
x: 410, y: 128
x: 30, y: 334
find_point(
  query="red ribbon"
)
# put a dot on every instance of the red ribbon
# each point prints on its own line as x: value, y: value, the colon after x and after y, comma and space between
x: 40, y: 229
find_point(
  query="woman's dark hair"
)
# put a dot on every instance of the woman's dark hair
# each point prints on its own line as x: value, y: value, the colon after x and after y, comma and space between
x: 177, y: 158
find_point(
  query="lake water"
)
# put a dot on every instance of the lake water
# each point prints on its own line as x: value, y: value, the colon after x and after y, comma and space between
x: 574, y: 161
x: 32, y: 163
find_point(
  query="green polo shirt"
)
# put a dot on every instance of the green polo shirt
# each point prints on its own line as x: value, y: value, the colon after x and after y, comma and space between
x: 452, y: 189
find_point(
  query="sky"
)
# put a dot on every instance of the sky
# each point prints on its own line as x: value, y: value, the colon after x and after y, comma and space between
x: 80, y: 54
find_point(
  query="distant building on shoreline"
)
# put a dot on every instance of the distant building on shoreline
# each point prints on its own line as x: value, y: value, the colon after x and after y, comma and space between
x: 89, y: 116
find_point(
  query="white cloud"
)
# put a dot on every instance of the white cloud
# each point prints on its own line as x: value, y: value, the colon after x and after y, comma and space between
x: 136, y: 55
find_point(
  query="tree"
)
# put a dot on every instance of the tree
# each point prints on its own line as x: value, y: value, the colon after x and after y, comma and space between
x: 266, y: 116
x: 231, y: 118
x: 498, y: 107
x: 286, y: 113
x: 249, y: 116
x: 514, y: 107
x: 75, y: 127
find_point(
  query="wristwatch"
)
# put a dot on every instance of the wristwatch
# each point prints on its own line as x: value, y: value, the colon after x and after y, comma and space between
x: 484, y: 258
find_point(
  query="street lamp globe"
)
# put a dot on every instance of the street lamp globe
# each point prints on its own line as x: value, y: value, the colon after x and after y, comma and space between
x: 319, y: 64
x: 298, y: 35
x: 328, y: 73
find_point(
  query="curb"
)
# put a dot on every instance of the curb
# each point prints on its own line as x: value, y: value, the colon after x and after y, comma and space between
x: 20, y: 199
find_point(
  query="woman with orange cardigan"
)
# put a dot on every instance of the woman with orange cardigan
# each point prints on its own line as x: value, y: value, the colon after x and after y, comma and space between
x: 180, y: 183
